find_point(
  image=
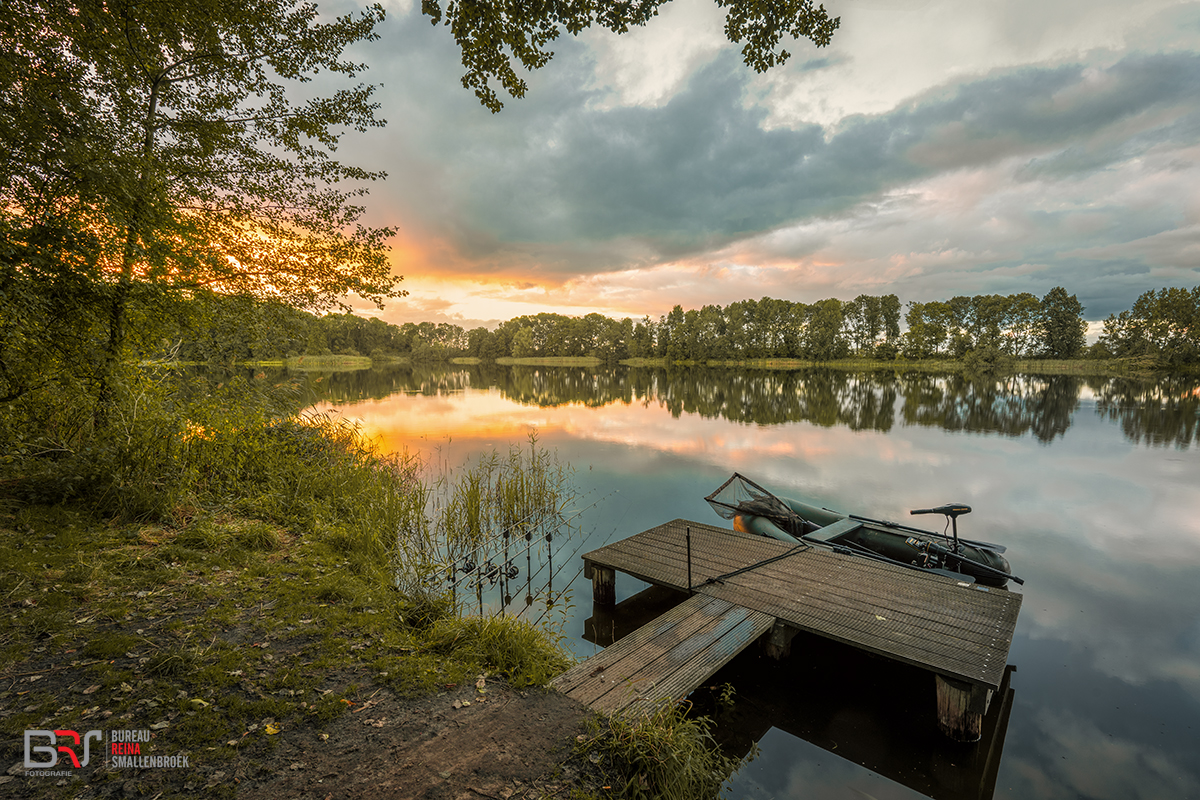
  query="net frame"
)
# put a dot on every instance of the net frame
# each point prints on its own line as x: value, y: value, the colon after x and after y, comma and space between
x: 740, y: 496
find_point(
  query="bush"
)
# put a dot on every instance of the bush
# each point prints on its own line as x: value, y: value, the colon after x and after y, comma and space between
x: 988, y: 360
x: 887, y: 351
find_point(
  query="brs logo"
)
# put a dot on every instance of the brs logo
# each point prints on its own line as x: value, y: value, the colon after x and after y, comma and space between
x: 53, y: 752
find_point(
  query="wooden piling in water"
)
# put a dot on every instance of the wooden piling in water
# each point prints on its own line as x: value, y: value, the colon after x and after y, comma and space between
x: 604, y: 584
x: 777, y: 643
x: 960, y: 708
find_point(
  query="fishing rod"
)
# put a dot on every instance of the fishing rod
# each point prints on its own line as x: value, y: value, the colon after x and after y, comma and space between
x: 948, y: 554
x: 534, y: 541
x: 579, y: 571
x: 556, y: 572
x: 583, y: 540
x: 953, y: 511
x: 858, y: 550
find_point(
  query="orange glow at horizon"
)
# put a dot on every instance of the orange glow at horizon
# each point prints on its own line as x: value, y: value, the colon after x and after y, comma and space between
x: 507, y: 280
x: 487, y: 419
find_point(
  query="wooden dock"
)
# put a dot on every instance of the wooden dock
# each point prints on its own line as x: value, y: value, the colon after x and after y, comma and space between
x: 667, y: 658
x: 957, y: 630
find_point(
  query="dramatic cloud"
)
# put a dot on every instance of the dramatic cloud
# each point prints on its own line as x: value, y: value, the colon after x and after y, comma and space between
x: 977, y: 153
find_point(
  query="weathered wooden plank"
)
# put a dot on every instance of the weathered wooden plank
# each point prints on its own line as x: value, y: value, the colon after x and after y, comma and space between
x: 702, y: 665
x: 982, y: 664
x: 895, y: 636
x: 906, y: 585
x: 654, y: 548
x: 659, y: 670
x: 611, y: 655
x: 937, y: 604
x: 639, y: 667
x: 950, y: 612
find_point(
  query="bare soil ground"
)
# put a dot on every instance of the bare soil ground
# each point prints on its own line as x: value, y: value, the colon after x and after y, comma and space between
x: 505, y: 744
x: 458, y: 745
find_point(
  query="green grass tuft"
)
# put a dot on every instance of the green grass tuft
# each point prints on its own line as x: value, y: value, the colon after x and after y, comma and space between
x: 665, y: 755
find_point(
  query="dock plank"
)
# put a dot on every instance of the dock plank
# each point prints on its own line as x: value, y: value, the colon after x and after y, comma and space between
x: 610, y: 656
x: 616, y: 664
x: 666, y: 658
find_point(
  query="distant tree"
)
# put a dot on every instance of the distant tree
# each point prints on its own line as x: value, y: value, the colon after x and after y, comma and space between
x: 825, y: 341
x: 669, y: 328
x: 1162, y: 323
x: 475, y: 340
x: 710, y: 335
x: 889, y: 307
x: 1062, y: 325
x: 958, y: 312
x: 771, y: 323
x: 864, y: 322
x: 612, y: 341
x: 739, y: 326
x: 928, y: 329
x: 642, y: 343
x: 1021, y: 330
x: 988, y: 316
x: 494, y: 346
x: 522, y: 343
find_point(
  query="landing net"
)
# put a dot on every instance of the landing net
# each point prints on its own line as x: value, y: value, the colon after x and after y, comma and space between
x: 740, y: 496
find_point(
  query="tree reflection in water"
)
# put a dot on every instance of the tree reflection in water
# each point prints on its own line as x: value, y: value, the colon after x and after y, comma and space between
x: 1160, y: 412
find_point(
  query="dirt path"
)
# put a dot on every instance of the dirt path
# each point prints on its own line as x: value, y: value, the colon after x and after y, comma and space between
x: 503, y: 744
x: 509, y: 745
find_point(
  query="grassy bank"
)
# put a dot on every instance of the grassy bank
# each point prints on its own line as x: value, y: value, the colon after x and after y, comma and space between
x: 218, y: 585
x: 328, y: 363
x: 1145, y: 365
x: 552, y: 361
x: 1080, y: 366
x: 219, y: 624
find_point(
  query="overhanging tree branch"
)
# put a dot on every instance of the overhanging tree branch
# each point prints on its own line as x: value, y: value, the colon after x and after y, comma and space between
x: 492, y: 33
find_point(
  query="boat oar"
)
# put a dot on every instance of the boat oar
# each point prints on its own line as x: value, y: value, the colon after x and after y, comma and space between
x: 937, y: 548
x: 995, y: 548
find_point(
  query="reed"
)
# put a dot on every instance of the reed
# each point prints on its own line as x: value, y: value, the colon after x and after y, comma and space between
x: 495, y: 502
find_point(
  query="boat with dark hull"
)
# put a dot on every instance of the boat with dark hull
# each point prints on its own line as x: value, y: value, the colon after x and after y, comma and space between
x: 753, y: 509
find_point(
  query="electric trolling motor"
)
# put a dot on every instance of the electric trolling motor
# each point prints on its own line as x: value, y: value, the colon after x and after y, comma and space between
x: 951, y: 510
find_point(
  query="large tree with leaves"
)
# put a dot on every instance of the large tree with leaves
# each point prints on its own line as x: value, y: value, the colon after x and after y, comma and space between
x: 157, y: 148
x: 1062, y: 326
x: 492, y: 35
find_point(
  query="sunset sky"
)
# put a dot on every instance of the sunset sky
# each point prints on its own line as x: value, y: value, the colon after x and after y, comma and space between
x: 933, y: 149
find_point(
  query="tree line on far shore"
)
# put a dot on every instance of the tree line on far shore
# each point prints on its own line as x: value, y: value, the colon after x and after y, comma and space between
x: 982, y: 328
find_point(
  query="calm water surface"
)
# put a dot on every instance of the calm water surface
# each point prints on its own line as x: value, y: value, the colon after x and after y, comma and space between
x: 1092, y: 484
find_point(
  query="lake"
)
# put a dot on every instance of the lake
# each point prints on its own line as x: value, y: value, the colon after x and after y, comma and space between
x: 1093, y: 484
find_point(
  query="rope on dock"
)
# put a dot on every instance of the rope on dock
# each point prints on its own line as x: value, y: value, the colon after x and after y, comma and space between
x: 721, y: 578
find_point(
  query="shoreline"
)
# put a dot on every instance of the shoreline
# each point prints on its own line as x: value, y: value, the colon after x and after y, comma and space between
x: 1113, y: 367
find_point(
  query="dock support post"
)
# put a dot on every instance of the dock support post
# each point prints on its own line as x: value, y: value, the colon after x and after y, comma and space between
x: 778, y: 642
x: 604, y: 586
x: 960, y: 708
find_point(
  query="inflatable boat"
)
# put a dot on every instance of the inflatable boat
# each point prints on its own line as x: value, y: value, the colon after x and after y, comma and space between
x: 753, y: 509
